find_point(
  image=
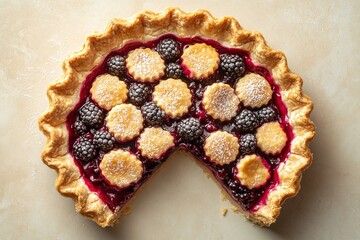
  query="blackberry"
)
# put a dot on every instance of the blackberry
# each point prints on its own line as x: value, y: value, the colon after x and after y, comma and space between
x: 168, y: 49
x: 266, y: 114
x: 248, y: 143
x: 246, y: 197
x: 91, y: 115
x: 80, y: 127
x: 227, y: 80
x: 232, y: 65
x: 152, y: 113
x: 233, y: 185
x: 173, y: 70
x: 116, y: 65
x: 246, y: 121
x: 83, y: 149
x: 104, y: 140
x: 189, y: 129
x: 243, y: 194
x: 138, y: 93
x: 274, y: 162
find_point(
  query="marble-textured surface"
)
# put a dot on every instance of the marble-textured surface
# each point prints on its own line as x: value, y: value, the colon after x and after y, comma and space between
x: 321, y: 40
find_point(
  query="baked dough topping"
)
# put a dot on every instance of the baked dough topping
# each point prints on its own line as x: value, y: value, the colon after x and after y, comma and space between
x: 145, y: 65
x: 253, y: 90
x: 220, y: 101
x: 121, y: 168
x: 201, y: 61
x: 154, y: 142
x: 221, y: 147
x: 252, y: 172
x: 108, y: 91
x: 271, y: 138
x: 125, y: 122
x: 172, y: 96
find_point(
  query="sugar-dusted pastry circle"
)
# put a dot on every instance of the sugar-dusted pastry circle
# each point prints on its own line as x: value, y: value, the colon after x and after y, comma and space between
x: 271, y: 138
x: 125, y: 122
x: 145, y: 65
x: 108, y: 91
x: 253, y: 90
x: 220, y: 101
x: 252, y: 172
x: 221, y: 147
x: 121, y: 168
x: 173, y: 97
x: 154, y: 142
x: 200, y: 61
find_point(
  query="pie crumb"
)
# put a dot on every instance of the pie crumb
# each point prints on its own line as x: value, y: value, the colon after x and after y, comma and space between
x: 236, y: 210
x: 126, y: 210
x: 224, y: 211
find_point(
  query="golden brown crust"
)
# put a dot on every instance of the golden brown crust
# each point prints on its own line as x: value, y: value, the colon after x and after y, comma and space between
x: 173, y: 97
x: 154, y: 142
x: 63, y: 95
x: 220, y: 101
x: 251, y: 171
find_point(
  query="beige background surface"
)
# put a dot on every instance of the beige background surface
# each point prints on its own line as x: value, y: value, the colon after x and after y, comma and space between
x: 321, y: 40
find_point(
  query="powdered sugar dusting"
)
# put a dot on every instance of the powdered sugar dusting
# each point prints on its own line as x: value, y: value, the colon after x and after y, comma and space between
x: 253, y: 90
x: 121, y: 168
x: 256, y: 92
x: 220, y: 101
x: 221, y: 147
x: 173, y: 96
x: 145, y: 64
x: 252, y: 172
x: 125, y: 122
x: 271, y: 137
x: 154, y: 142
x: 201, y: 60
x: 108, y: 91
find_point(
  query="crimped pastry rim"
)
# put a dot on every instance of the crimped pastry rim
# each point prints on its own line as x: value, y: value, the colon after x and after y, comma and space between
x: 63, y: 95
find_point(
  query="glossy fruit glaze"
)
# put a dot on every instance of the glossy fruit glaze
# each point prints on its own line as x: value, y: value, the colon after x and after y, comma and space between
x: 249, y: 200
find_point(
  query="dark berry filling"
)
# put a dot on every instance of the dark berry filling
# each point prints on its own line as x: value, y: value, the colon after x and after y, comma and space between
x: 247, y: 143
x: 266, y: 114
x: 79, y: 127
x: 138, y: 93
x: 168, y: 49
x: 91, y: 115
x: 103, y: 140
x: 173, y: 70
x: 153, y: 114
x: 83, y: 149
x: 232, y: 65
x: 246, y: 121
x: 88, y: 144
x: 189, y: 129
x: 116, y: 65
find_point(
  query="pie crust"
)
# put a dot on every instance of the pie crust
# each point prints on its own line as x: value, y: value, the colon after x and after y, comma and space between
x: 221, y: 147
x: 220, y: 101
x: 145, y: 65
x: 121, y: 168
x: 154, y: 142
x: 251, y: 171
x: 253, y: 90
x: 173, y: 97
x: 108, y: 91
x: 200, y: 61
x: 125, y: 122
x: 63, y: 95
x: 273, y: 131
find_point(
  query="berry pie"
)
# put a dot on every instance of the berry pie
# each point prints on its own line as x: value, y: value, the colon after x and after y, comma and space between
x: 168, y: 81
